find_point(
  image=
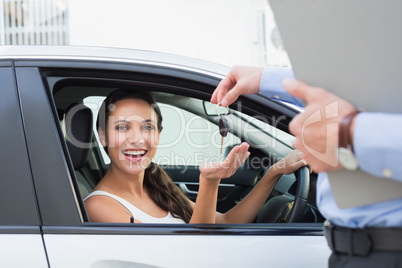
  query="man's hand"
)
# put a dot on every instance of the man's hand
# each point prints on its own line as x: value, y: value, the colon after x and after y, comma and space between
x: 240, y: 80
x: 317, y: 128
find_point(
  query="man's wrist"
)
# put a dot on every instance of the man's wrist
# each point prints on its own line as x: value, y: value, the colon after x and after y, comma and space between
x: 346, y: 130
x: 345, y: 153
x: 352, y: 128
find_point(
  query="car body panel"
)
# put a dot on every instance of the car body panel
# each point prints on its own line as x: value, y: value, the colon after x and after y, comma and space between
x: 21, y: 241
x: 22, y: 250
x: 185, y: 251
x: 16, y: 185
x: 49, y: 166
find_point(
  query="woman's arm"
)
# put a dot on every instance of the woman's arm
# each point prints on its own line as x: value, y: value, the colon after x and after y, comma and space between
x: 211, y: 174
x: 246, y: 211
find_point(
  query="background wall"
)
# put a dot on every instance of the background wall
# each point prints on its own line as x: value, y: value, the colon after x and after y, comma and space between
x: 224, y: 31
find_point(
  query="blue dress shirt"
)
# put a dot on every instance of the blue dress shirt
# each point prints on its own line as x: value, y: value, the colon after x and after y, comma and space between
x: 377, y: 144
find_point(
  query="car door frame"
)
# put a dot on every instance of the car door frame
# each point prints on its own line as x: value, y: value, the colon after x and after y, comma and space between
x: 20, y: 224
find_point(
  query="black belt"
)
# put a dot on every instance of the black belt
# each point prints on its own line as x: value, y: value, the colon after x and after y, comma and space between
x: 360, y: 242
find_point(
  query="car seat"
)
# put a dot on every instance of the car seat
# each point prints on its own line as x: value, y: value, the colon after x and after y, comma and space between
x: 78, y: 130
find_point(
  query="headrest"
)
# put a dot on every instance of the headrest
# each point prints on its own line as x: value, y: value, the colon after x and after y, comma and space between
x: 78, y: 125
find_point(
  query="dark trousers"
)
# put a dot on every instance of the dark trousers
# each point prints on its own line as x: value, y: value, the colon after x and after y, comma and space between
x: 376, y: 259
x: 366, y: 248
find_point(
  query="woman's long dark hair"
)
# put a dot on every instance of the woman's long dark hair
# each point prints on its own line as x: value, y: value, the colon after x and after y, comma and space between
x: 160, y: 186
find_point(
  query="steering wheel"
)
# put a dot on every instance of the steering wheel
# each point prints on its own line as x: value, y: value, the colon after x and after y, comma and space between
x: 284, y: 208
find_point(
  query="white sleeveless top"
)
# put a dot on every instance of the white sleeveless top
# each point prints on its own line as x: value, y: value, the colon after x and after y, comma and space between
x: 137, y: 213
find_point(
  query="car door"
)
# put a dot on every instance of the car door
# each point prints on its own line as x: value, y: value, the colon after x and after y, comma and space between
x: 21, y: 243
x: 72, y: 241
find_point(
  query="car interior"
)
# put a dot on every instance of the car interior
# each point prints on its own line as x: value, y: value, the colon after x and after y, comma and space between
x: 190, y: 136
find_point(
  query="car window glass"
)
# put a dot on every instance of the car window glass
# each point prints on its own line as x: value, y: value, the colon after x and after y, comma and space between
x: 189, y: 139
x: 268, y: 126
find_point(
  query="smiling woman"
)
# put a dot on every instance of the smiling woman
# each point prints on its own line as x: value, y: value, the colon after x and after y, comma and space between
x: 129, y: 131
x: 129, y: 124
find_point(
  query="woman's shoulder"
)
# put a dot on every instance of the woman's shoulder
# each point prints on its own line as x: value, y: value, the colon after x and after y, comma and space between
x: 98, y: 202
x: 97, y: 192
x: 100, y: 199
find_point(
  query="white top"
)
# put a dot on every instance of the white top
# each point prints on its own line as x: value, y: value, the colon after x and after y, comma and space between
x: 137, y: 213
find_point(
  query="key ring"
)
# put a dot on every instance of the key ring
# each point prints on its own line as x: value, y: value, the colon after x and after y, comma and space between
x: 218, y: 105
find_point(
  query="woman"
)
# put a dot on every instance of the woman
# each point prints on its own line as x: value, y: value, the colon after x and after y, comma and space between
x: 134, y: 188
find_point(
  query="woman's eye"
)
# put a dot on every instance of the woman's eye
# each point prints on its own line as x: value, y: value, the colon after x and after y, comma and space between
x: 148, y: 127
x: 121, y: 128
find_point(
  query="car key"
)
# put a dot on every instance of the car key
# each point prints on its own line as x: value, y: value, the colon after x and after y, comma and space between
x: 223, y: 128
x: 223, y: 124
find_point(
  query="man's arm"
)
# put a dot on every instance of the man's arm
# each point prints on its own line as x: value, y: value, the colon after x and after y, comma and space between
x: 271, y: 84
x: 377, y: 138
x: 377, y: 143
x: 371, y: 132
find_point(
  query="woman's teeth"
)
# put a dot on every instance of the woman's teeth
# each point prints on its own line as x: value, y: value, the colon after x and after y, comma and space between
x: 134, y: 153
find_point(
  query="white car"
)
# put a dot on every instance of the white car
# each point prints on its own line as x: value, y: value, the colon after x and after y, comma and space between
x: 44, y: 176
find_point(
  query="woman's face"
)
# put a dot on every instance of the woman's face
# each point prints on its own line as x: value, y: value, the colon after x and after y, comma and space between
x: 132, y: 135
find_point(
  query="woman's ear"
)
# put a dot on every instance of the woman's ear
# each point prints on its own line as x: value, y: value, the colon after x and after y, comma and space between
x: 102, y: 137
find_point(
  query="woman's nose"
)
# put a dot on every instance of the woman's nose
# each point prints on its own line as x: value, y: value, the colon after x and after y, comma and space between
x: 134, y: 136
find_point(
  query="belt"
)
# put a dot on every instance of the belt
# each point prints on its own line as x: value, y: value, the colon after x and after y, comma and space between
x: 361, y: 242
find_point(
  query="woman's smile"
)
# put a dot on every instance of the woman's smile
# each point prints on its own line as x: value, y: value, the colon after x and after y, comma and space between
x: 134, y: 155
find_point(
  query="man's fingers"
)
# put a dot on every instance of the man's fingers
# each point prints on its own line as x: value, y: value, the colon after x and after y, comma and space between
x: 214, y: 98
x: 231, y: 96
x: 227, y: 91
x: 218, y: 90
x: 224, y: 86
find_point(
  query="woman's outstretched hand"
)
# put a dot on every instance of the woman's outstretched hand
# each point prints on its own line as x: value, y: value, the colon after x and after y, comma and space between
x: 211, y: 175
x: 220, y: 170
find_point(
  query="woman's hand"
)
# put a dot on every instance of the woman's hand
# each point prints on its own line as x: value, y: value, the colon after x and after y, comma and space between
x: 211, y: 174
x: 226, y: 168
x: 292, y: 162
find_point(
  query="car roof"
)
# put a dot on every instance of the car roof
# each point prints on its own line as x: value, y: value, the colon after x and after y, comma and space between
x: 111, y: 54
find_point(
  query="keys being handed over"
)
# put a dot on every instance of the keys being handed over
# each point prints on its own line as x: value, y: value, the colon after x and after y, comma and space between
x: 223, y: 125
x: 223, y: 128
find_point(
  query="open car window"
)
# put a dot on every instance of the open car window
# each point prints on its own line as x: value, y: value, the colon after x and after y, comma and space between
x: 190, y: 137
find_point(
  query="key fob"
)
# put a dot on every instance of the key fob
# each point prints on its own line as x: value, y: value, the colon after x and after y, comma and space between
x: 223, y: 126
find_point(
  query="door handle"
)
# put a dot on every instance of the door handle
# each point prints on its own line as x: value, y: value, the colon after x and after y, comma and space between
x: 185, y: 190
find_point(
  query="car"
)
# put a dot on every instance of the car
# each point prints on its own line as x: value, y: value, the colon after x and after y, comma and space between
x: 50, y: 159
